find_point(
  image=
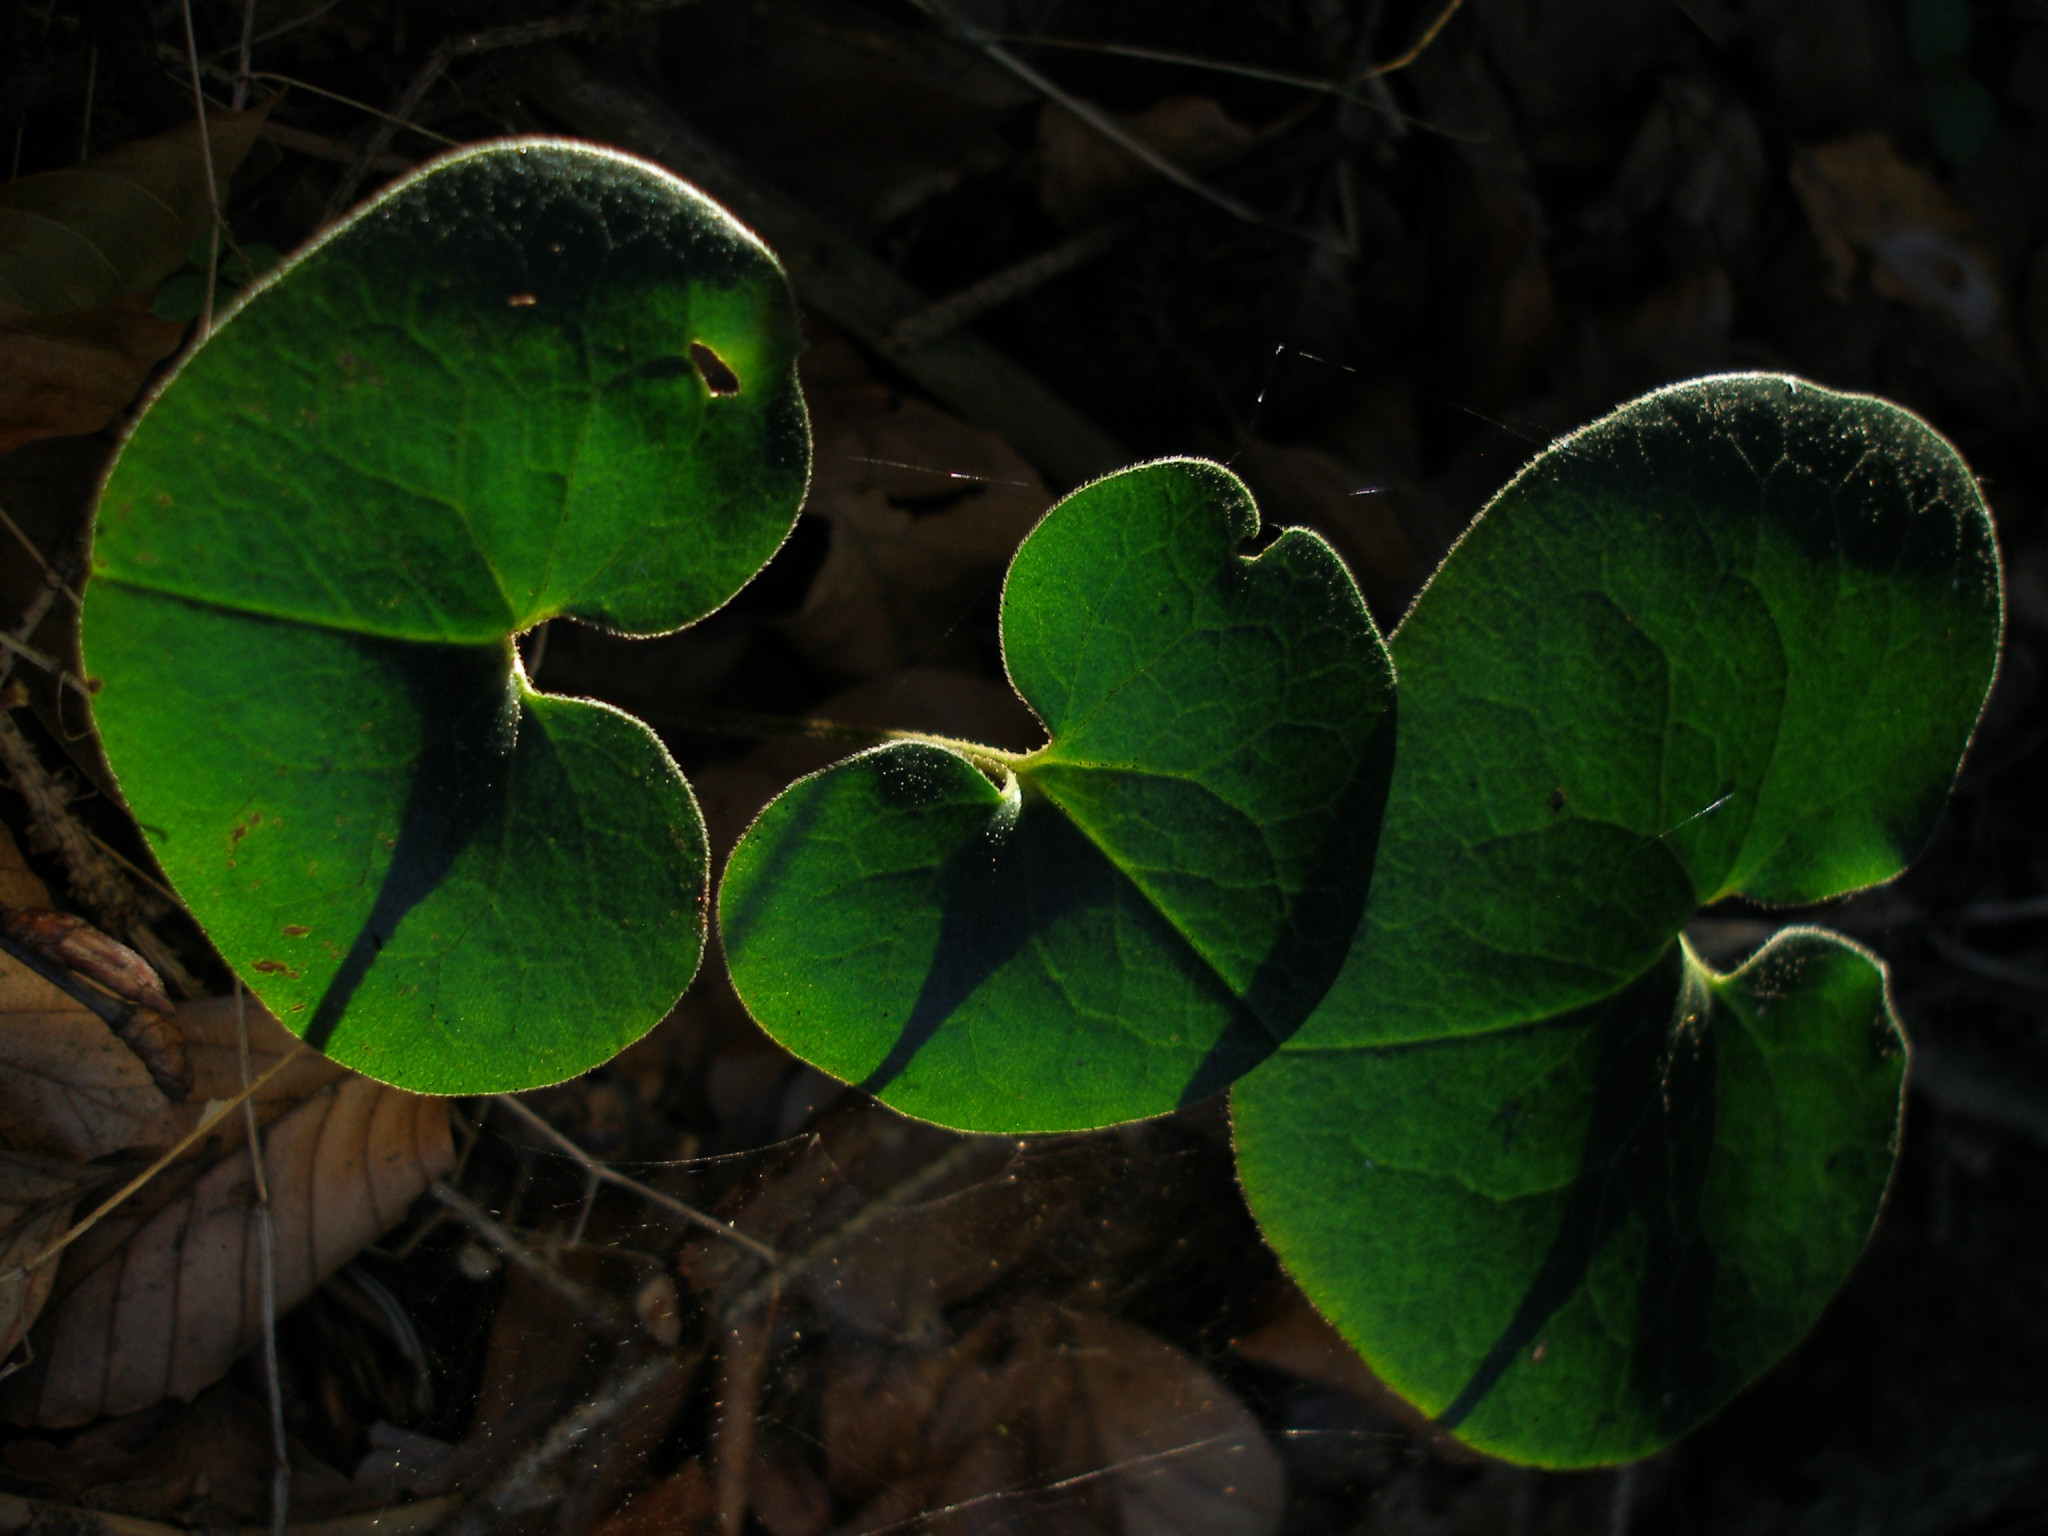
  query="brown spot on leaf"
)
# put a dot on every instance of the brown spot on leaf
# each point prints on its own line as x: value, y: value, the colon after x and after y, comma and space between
x: 520, y: 301
x: 296, y: 930
x: 277, y: 968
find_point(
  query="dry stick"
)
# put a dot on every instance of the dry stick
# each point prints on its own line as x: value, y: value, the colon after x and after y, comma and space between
x: 266, y: 1234
x: 592, y: 1307
x: 1000, y: 287
x: 598, y: 1169
x: 241, y: 96
x: 1429, y: 35
x: 184, y: 1144
x: 92, y: 72
x: 212, y: 189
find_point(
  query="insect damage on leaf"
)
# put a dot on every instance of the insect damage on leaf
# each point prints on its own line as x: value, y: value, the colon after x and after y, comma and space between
x: 1129, y: 917
x: 314, y: 551
x: 1564, y: 1187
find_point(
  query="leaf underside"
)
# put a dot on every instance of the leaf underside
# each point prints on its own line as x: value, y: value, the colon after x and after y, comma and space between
x: 1128, y: 918
x: 472, y: 408
x: 1561, y: 1185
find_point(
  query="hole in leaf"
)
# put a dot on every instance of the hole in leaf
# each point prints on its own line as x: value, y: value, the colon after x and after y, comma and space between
x: 718, y: 378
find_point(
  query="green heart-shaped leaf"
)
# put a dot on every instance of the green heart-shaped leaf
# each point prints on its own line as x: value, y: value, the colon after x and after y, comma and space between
x: 1559, y: 1184
x: 1129, y: 917
x: 534, y: 380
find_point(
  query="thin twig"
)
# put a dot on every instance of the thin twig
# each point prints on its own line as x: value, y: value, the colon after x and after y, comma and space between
x: 205, y: 327
x: 49, y: 571
x: 599, y: 1169
x: 1429, y: 35
x: 587, y: 1303
x: 295, y: 83
x: 40, y: 660
x: 241, y: 96
x: 266, y: 1253
x: 92, y: 72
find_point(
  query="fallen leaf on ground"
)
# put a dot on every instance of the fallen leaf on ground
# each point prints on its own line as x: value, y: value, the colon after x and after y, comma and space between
x: 682, y: 1505
x: 1050, y: 1418
x: 205, y: 1462
x: 83, y: 236
x: 158, y: 1300
x: 67, y: 1086
x: 1084, y: 176
x: 65, y: 374
x: 37, y: 1195
x: 1865, y: 203
x: 924, y: 512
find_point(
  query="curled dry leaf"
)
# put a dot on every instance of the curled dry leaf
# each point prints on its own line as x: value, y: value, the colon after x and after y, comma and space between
x: 37, y: 1195
x: 67, y: 1087
x: 70, y: 940
x: 160, y: 1298
x: 65, y: 374
x: 83, y: 236
x: 924, y: 512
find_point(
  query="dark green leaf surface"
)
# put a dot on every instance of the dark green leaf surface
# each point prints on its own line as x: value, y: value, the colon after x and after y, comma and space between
x: 471, y: 408
x: 1129, y: 917
x: 1730, y: 640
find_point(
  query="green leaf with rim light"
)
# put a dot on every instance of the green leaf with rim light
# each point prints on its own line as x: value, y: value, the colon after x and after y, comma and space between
x: 1561, y: 1185
x: 1129, y: 917
x: 533, y: 380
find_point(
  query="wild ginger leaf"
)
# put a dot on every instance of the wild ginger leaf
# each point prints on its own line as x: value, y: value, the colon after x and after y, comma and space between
x: 1129, y: 917
x: 472, y: 407
x: 1558, y: 1183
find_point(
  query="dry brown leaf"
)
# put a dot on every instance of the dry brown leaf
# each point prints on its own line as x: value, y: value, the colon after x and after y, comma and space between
x: 37, y: 1195
x: 1296, y: 1338
x: 1186, y: 1457
x: 67, y: 1086
x: 924, y: 512
x: 66, y: 374
x: 682, y: 1505
x: 1863, y: 201
x: 205, y: 1462
x: 159, y: 1301
x: 1050, y: 1419
x: 1084, y: 176
x: 83, y: 236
